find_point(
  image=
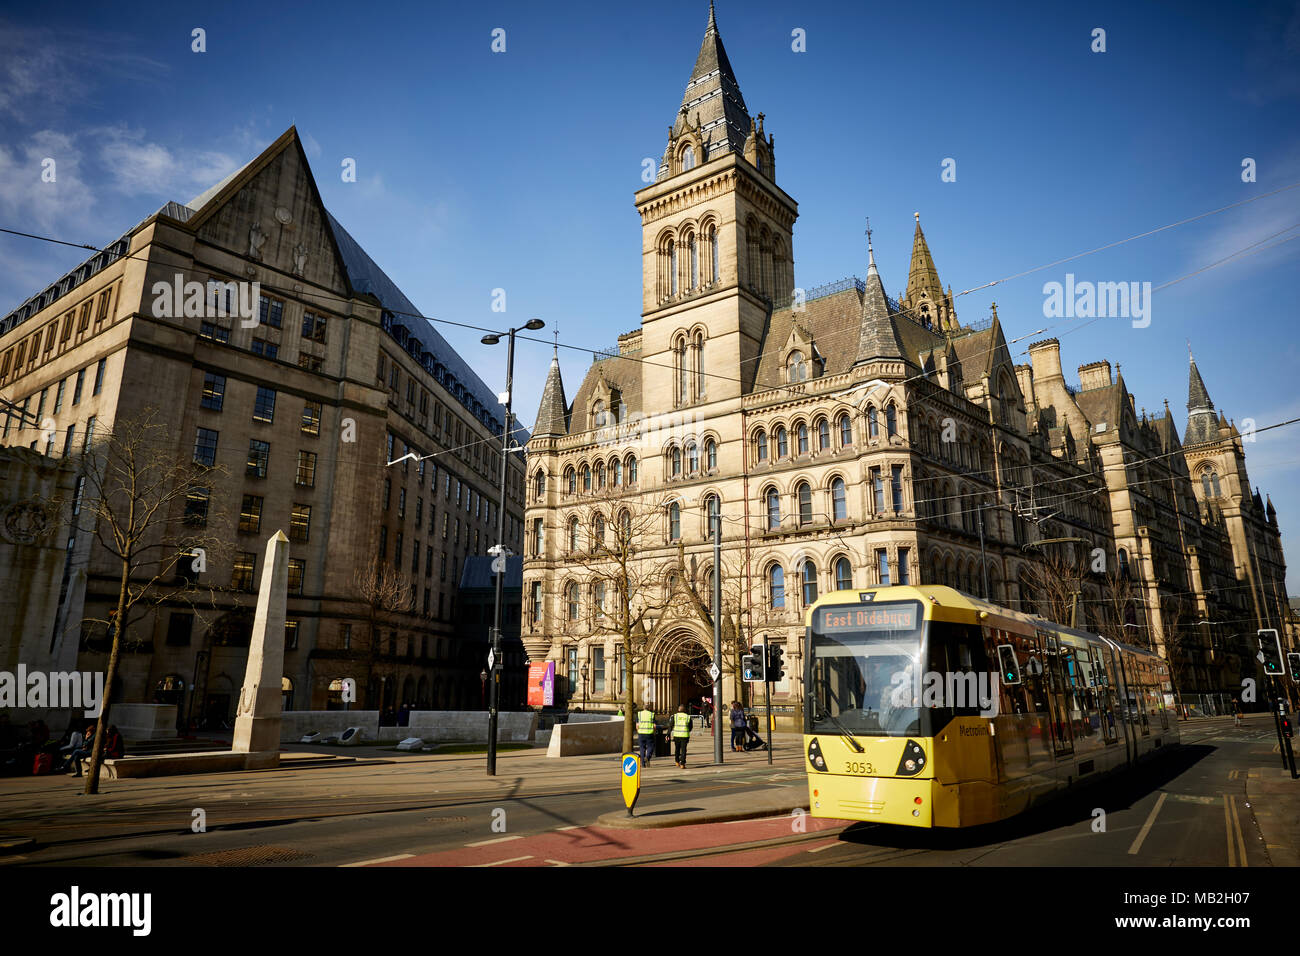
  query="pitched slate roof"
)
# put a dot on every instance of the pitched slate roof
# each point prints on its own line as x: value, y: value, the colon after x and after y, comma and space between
x: 1202, y: 425
x: 877, y: 337
x: 553, y: 413
x: 622, y: 373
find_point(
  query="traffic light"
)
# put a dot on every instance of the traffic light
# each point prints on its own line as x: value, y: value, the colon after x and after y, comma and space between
x: 1293, y: 664
x: 1270, y: 651
x: 752, y: 664
x: 775, y: 663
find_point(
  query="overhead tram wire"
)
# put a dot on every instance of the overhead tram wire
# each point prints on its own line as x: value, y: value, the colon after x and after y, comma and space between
x: 718, y: 375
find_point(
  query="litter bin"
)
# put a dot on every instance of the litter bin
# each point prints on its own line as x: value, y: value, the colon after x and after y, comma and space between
x: 663, y: 745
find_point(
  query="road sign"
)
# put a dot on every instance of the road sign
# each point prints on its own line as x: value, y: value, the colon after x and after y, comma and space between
x: 492, y: 659
x: 631, y: 772
x: 714, y: 672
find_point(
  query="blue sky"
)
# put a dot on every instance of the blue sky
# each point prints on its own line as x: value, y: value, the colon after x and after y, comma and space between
x: 516, y: 170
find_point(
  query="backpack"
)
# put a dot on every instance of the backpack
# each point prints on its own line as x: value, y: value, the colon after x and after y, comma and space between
x: 42, y: 764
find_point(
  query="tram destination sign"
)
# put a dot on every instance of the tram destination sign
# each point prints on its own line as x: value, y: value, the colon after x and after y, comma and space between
x: 872, y: 617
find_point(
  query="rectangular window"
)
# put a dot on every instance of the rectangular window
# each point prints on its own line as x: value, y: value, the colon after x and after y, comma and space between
x: 214, y: 392
x: 264, y: 405
x: 250, y: 515
x: 67, y: 327
x: 196, y: 506
x: 67, y: 440
x: 882, y: 567
x: 878, y: 491
x: 388, y: 493
x: 306, y: 477
x: 300, y: 523
x: 535, y: 602
x: 313, y: 327
x: 297, y: 569
x: 40, y: 405
x: 598, y: 670
x: 383, y: 543
x: 311, y: 418
x: 83, y: 321
x: 104, y: 298
x: 99, y: 376
x: 205, y: 447
x: 259, y: 458
x: 213, y: 332
x: 401, y: 502
x: 896, y: 486
x: 271, y: 312
x: 242, y: 578
x: 419, y: 512
x: 428, y: 560
x: 179, y: 628
x: 312, y: 363
x: 58, y: 396
x: 268, y: 349
x: 290, y: 633
x: 397, y: 551
x: 76, y: 389
x: 442, y: 567
x: 904, y: 576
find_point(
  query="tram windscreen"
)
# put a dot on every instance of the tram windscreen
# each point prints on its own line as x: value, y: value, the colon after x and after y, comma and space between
x: 865, y: 669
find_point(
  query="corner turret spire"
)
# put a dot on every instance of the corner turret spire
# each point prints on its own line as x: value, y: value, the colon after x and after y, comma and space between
x: 877, y: 337
x: 1202, y: 424
x: 553, y: 413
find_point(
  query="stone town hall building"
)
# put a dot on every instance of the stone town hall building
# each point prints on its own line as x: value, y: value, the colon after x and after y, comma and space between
x: 851, y: 440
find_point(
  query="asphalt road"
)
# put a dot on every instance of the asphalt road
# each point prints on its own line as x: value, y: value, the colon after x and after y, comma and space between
x: 1186, y: 809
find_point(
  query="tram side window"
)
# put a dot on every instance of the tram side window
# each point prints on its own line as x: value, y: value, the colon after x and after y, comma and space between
x: 1104, y: 693
x: 957, y: 654
x: 1138, y: 693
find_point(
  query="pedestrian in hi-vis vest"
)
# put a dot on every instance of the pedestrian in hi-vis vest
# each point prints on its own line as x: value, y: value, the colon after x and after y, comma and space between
x: 681, y: 735
x: 645, y: 728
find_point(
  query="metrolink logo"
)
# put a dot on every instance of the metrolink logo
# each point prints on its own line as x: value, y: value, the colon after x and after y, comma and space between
x: 218, y: 300
x: 54, y: 689
x: 1098, y: 300
x: 964, y: 689
x: 74, y: 909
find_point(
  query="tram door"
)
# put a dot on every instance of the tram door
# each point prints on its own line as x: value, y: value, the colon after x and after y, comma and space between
x: 1104, y: 693
x: 1057, y: 705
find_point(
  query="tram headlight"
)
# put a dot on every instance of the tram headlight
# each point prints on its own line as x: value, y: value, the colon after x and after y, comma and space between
x: 913, y: 760
x: 815, y: 756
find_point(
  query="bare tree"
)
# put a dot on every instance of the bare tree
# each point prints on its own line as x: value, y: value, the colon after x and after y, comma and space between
x: 1118, y: 597
x: 148, y: 508
x: 385, y: 590
x: 1177, y: 637
x: 1056, y: 580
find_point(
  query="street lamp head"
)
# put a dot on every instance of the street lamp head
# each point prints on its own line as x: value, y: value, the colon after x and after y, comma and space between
x: 490, y: 339
x: 534, y: 324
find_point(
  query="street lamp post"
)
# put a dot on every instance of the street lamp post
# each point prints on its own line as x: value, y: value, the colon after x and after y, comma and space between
x: 583, y: 671
x: 500, y: 548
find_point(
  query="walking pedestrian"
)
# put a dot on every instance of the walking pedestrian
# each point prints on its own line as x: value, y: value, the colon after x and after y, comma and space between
x: 681, y: 735
x: 738, y: 726
x: 645, y: 728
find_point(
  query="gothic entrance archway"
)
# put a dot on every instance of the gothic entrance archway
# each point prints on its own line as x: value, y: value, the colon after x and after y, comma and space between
x: 678, y: 671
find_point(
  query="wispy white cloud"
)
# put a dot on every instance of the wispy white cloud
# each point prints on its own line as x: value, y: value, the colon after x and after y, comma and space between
x: 137, y: 166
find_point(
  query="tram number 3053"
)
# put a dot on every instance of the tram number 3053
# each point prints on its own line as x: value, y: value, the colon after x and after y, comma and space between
x: 855, y: 767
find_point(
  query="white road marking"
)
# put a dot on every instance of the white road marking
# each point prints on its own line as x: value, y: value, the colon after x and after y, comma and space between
x: 513, y: 859
x: 382, y: 859
x: 559, y: 829
x: 497, y: 840
x: 825, y: 846
x: 558, y: 863
x: 1146, y: 827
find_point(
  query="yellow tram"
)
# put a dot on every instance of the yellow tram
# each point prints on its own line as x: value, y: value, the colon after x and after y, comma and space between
x: 927, y: 707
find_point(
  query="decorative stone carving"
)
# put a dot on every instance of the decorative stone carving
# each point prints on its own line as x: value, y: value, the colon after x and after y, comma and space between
x: 299, y: 259
x: 25, y: 521
x: 256, y: 239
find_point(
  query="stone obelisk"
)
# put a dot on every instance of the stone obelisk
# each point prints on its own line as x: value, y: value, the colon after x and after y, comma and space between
x: 257, y: 723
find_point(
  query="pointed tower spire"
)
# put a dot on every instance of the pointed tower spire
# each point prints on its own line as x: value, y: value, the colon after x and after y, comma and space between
x: 553, y: 413
x: 877, y: 337
x: 925, y: 297
x: 1202, y: 425
x: 712, y: 98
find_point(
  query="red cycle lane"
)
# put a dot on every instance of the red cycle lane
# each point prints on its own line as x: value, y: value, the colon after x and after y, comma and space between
x: 594, y: 844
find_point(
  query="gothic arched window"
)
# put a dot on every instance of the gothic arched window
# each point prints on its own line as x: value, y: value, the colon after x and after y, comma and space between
x: 796, y: 369
x: 823, y: 435
x: 782, y: 442
x: 809, y: 575
x: 776, y: 586
x: 804, y: 492
x: 692, y: 458
x: 891, y: 419
x: 713, y: 255
x: 699, y: 365
x: 676, y: 458
x: 839, y: 500
x: 672, y: 266
x: 873, y: 422
x: 695, y: 262
x: 802, y: 437
x: 573, y: 534
x: 688, y: 158
x: 674, y: 521
x: 711, y: 454
x: 760, y: 445
x: 773, y: 510
x: 843, y: 575
x: 846, y: 431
